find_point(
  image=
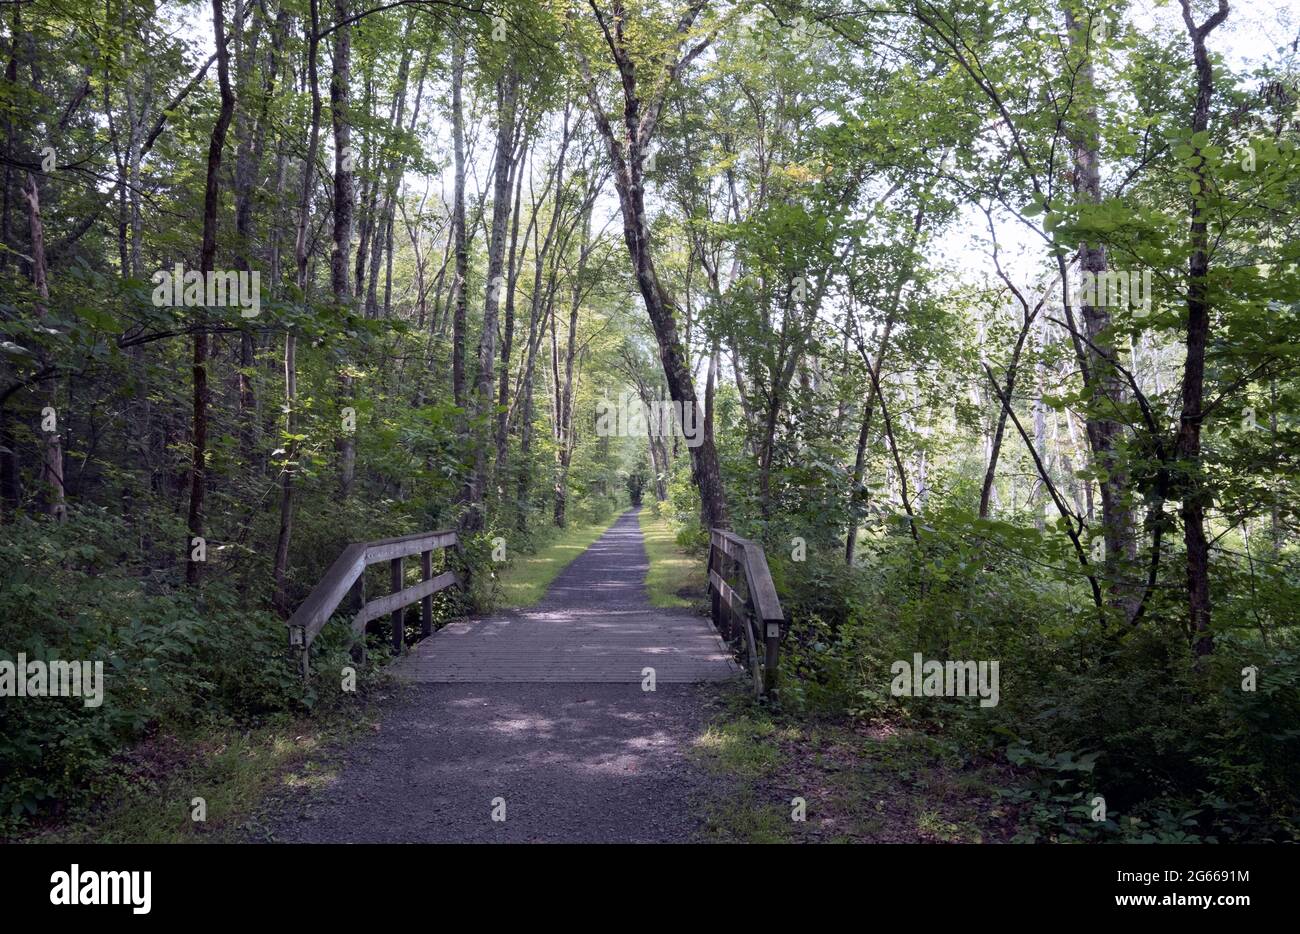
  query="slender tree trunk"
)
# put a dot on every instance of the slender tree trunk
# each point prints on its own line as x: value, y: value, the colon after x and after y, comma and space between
x: 344, y: 200
x: 864, y: 432
x: 10, y: 472
x: 285, y: 534
x: 11, y: 80
x: 513, y: 264
x: 524, y: 468
x: 391, y: 175
x: 999, y: 430
x: 280, y: 598
x: 564, y: 405
x: 52, y: 448
x: 1196, y: 493
x: 484, y: 397
x: 858, y: 493
x: 250, y: 133
x: 1040, y: 419
x: 458, y: 223
x: 207, y: 261
x: 1104, y: 434
x: 364, y: 217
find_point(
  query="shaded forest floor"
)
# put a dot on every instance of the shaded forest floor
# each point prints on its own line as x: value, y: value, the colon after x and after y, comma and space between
x: 149, y: 794
x: 859, y: 782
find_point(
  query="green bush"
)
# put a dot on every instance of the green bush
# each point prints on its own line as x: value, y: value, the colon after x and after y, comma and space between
x: 1179, y: 752
x: 170, y: 656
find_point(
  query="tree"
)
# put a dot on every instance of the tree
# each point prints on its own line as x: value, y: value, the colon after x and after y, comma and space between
x: 207, y: 263
x: 1196, y: 495
x: 627, y: 152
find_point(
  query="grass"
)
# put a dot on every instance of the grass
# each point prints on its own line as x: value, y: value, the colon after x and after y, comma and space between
x: 526, y: 578
x: 741, y: 748
x: 149, y: 797
x: 675, y: 579
x: 742, y: 819
x: 741, y: 751
x: 859, y: 782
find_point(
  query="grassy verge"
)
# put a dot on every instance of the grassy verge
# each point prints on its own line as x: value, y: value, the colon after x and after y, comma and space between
x: 149, y: 796
x: 675, y: 579
x: 526, y: 578
x: 859, y: 782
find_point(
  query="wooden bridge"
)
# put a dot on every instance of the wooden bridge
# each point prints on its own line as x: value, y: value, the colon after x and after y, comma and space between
x: 546, y: 713
x: 595, y: 623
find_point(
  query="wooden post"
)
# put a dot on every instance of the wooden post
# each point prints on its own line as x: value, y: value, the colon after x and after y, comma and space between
x: 772, y: 636
x: 426, y: 605
x: 729, y: 563
x: 357, y: 599
x: 462, y: 567
x: 715, y: 602
x: 396, y: 566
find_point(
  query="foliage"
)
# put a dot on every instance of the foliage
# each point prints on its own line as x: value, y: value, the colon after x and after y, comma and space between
x: 865, y: 235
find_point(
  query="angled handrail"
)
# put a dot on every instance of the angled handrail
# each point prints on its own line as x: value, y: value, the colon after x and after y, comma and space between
x: 759, y: 608
x: 345, y: 574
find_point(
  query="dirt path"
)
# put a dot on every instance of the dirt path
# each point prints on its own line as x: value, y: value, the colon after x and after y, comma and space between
x: 565, y: 759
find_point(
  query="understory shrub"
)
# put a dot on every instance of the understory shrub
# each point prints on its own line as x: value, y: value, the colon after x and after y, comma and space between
x: 171, y: 656
x: 1089, y: 712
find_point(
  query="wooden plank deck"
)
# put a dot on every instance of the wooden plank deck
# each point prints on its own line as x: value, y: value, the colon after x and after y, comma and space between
x: 557, y: 645
x: 595, y: 625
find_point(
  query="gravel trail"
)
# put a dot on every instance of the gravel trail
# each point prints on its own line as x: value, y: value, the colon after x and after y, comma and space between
x: 565, y: 761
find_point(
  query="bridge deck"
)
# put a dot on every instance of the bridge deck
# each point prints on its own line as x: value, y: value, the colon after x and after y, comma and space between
x: 595, y: 624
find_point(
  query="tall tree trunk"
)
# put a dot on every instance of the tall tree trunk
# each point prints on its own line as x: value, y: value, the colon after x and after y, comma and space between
x: 364, y: 199
x: 52, y: 448
x: 207, y: 261
x: 1104, y: 434
x: 344, y: 202
x: 662, y: 310
x: 627, y: 152
x: 458, y: 338
x: 484, y: 395
x: 6, y: 187
x: 391, y: 175
x: 514, y: 263
x: 564, y: 393
x: 250, y: 133
x: 280, y: 598
x: 1196, y: 494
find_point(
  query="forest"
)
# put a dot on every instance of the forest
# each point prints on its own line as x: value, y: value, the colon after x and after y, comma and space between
x: 981, y: 316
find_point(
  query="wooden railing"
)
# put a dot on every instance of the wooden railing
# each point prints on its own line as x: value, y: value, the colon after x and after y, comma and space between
x: 751, y: 618
x: 347, y: 574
